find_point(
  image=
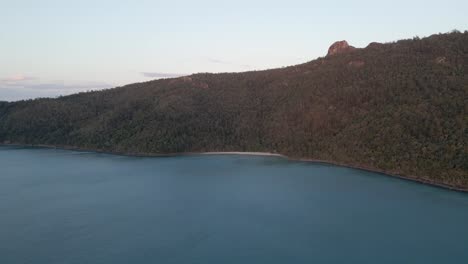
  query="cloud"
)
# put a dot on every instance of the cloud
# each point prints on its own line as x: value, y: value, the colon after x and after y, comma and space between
x: 162, y: 74
x: 17, y: 78
x: 217, y: 61
x: 24, y: 88
x: 62, y: 86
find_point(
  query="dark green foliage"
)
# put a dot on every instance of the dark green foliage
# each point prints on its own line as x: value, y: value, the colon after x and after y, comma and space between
x: 399, y: 107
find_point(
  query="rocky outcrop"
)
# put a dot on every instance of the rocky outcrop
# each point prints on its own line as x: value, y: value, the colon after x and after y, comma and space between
x: 441, y: 60
x: 340, y: 47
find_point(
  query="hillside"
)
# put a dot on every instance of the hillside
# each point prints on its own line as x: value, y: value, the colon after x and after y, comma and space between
x: 399, y: 107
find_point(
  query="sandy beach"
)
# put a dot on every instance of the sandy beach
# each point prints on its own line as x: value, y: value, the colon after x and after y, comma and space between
x: 243, y: 153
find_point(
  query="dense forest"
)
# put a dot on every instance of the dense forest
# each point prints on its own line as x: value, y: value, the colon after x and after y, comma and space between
x: 399, y: 107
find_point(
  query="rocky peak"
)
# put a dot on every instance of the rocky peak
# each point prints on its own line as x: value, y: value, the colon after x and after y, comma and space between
x: 340, y: 47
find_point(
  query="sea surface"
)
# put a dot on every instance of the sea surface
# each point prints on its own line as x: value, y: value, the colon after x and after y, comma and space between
x: 59, y: 206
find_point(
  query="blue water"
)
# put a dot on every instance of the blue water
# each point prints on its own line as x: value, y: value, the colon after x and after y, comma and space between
x: 60, y: 206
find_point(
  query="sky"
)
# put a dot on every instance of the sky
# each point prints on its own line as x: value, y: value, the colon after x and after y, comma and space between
x: 51, y: 48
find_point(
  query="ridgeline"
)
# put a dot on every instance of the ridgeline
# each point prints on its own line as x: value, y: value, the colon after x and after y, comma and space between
x: 397, y: 107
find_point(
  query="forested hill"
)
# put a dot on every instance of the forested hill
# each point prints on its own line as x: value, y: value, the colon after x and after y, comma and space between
x: 399, y: 107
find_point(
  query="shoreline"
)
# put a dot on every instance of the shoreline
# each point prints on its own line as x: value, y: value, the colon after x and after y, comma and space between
x: 264, y: 154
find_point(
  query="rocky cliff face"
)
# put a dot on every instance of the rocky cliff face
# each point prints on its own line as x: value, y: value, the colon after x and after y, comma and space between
x: 340, y: 47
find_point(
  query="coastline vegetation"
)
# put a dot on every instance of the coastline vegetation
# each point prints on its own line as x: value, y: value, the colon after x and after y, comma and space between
x: 398, y: 107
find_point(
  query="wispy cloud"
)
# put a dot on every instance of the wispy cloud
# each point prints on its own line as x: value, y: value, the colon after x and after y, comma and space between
x: 58, y: 86
x: 219, y: 61
x: 16, y: 78
x: 24, y: 87
x: 162, y: 74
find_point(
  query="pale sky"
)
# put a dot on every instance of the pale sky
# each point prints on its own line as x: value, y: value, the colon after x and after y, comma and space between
x: 51, y: 48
